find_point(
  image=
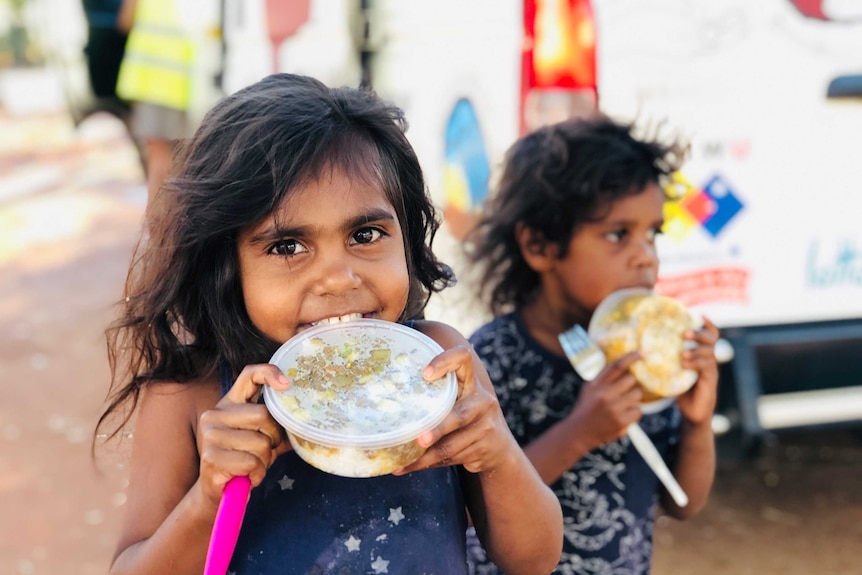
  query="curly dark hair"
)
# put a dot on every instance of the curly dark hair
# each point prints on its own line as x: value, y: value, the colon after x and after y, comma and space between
x: 183, y: 312
x: 554, y: 180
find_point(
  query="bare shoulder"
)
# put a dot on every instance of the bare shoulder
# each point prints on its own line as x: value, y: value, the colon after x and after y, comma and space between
x: 444, y: 334
x: 164, y: 447
x: 177, y: 405
x: 165, y: 432
x: 185, y: 394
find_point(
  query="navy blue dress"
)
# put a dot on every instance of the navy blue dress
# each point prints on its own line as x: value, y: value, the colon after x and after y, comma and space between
x: 304, y: 521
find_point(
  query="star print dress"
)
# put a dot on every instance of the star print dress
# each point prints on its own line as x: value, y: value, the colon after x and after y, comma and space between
x: 303, y: 521
x: 609, y: 498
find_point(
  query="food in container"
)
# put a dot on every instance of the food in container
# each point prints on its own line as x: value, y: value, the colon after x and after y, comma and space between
x: 358, y: 400
x: 639, y: 319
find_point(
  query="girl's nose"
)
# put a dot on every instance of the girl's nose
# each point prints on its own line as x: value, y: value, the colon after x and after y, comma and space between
x: 645, y: 255
x: 337, y: 277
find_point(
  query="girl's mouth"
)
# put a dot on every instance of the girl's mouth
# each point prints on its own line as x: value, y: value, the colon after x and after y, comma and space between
x: 334, y: 319
x: 339, y: 319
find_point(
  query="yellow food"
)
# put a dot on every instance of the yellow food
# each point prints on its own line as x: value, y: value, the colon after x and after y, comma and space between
x: 654, y: 325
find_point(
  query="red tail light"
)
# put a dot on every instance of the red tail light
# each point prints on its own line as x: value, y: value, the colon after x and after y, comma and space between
x: 558, y: 75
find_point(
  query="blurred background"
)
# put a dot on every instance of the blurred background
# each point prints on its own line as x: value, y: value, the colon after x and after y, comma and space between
x: 764, y: 239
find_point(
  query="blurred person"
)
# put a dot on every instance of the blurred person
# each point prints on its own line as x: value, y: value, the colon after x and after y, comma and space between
x: 156, y: 76
x: 575, y: 218
x: 106, y: 44
x: 295, y: 204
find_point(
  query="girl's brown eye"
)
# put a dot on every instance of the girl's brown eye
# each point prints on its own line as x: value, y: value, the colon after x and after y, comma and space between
x: 287, y: 248
x: 366, y: 235
x: 616, y: 236
x: 653, y: 233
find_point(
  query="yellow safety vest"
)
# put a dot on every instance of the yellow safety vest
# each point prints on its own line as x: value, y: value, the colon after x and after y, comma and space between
x: 157, y: 65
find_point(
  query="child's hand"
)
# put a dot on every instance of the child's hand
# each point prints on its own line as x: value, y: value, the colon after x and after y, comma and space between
x: 474, y: 434
x: 239, y: 436
x: 698, y: 403
x: 608, y: 404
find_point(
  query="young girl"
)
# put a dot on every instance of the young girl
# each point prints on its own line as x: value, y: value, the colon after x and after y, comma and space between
x: 296, y: 205
x: 575, y: 218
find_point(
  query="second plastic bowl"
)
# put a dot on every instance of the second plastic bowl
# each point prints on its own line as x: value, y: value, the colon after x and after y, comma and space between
x: 639, y: 319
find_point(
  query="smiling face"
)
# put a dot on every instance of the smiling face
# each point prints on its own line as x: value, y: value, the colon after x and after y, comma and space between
x: 334, y: 248
x: 604, y: 256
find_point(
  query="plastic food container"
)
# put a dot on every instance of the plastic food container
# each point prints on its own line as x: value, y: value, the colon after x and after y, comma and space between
x: 639, y: 319
x: 358, y: 401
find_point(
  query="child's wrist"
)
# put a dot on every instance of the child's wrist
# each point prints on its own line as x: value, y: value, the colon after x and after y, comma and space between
x: 203, y: 506
x: 510, y: 459
x: 579, y: 444
x: 690, y: 427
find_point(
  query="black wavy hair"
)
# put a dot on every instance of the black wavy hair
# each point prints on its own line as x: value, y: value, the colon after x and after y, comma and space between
x: 183, y: 312
x: 554, y: 180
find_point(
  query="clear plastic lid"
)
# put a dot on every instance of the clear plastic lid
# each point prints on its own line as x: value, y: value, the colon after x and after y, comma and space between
x: 359, y: 384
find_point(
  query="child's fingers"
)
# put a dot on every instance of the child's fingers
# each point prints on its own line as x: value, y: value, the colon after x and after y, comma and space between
x: 247, y: 385
x: 634, y: 395
x: 619, y: 367
x: 710, y: 327
x: 474, y: 398
x: 467, y: 410
x: 281, y: 448
x: 441, y: 454
x: 227, y: 463
x: 699, y: 353
x: 700, y: 358
x: 707, y: 335
x: 469, y: 443
x: 616, y: 378
x: 464, y: 447
x: 252, y: 441
x: 250, y: 416
x: 471, y: 420
x: 458, y: 359
x: 239, y: 436
x: 236, y: 439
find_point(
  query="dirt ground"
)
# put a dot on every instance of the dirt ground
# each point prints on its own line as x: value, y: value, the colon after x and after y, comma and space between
x: 70, y: 209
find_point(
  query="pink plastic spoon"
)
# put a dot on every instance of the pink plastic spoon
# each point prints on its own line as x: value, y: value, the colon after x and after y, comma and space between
x: 227, y: 524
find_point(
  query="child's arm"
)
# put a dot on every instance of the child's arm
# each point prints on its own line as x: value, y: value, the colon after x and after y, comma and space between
x: 126, y: 15
x: 695, y: 468
x: 520, y: 538
x: 604, y: 409
x: 187, y: 445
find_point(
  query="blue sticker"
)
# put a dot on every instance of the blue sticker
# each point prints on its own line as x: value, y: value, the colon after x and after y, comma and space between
x: 466, y: 157
x: 727, y: 205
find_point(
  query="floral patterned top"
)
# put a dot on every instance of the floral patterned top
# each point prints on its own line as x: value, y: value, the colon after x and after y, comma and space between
x: 610, y: 497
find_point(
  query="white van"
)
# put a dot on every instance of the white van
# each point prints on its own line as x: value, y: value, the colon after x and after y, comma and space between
x: 766, y: 239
